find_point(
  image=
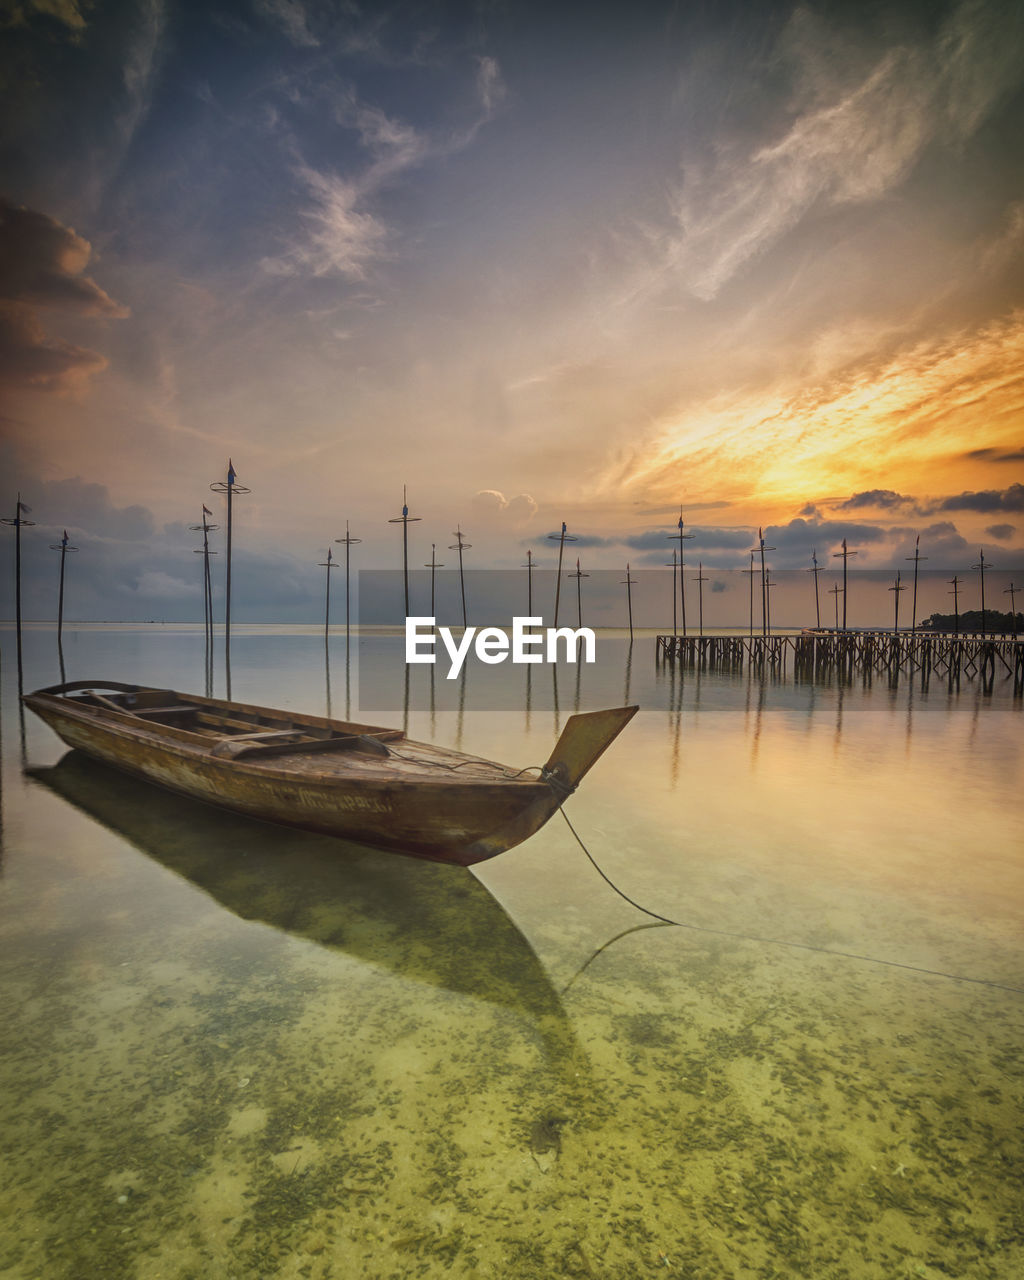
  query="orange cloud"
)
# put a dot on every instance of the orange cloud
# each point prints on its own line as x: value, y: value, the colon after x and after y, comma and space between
x: 901, y: 424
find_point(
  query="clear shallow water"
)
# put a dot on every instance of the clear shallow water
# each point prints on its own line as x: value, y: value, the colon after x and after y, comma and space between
x: 234, y: 1050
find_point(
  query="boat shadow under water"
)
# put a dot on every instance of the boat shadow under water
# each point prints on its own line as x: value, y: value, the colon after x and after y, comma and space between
x: 425, y: 921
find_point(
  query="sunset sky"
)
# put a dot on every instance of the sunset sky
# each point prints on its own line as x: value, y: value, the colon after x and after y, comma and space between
x: 540, y: 262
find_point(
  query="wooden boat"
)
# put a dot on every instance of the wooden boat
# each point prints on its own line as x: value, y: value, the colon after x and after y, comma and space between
x: 361, y: 782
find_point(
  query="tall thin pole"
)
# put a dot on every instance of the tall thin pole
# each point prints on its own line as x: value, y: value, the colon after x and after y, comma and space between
x: 982, y: 566
x: 349, y: 542
x: 845, y: 555
x: 675, y: 615
x: 700, y: 580
x: 917, y: 557
x: 405, y: 519
x: 896, y: 589
x: 682, y: 590
x: 628, y: 582
x: 764, y: 580
x: 579, y: 600
x: 328, y: 564
x: 836, y: 591
x: 561, y: 538
x: 63, y: 547
x: 206, y: 529
x: 230, y: 487
x: 955, y: 593
x: 751, y: 571
x: 21, y: 511
x: 434, y: 565
x: 529, y: 587
x: 1011, y: 591
x: 461, y: 545
x: 816, y: 569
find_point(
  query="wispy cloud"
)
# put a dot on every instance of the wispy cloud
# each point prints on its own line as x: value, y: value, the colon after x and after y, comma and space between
x: 342, y: 239
x: 856, y: 137
x: 348, y: 233
x: 140, y: 67
x: 290, y: 16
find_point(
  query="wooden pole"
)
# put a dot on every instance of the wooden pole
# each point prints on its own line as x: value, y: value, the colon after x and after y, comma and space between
x: 206, y: 529
x: 896, y: 589
x: 835, y: 591
x: 700, y: 580
x: 628, y: 583
x: 955, y: 593
x: 917, y: 557
x: 229, y: 487
x: 561, y: 538
x: 751, y: 571
x: 845, y: 555
x: 405, y: 519
x: 21, y: 512
x: 681, y: 536
x: 434, y: 565
x: 461, y: 545
x: 764, y: 582
x: 982, y: 566
x: 529, y: 585
x: 816, y: 569
x: 328, y: 564
x: 579, y: 601
x: 63, y: 548
x: 349, y: 542
x: 675, y: 625
x: 1011, y: 592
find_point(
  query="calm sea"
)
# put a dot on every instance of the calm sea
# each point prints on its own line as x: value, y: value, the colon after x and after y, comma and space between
x: 231, y: 1050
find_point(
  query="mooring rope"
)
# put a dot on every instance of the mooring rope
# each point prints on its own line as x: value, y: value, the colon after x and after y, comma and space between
x: 784, y: 942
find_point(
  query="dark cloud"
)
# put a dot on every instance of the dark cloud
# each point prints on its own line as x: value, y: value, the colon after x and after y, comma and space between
x: 28, y: 358
x: 995, y: 455
x: 86, y: 509
x: 939, y: 543
x: 708, y: 537
x: 41, y: 263
x: 1011, y: 499
x: 885, y: 499
x: 808, y: 535
x: 1001, y: 532
x: 41, y: 267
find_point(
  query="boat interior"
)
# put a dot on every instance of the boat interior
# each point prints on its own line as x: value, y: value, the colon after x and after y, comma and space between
x: 235, y: 729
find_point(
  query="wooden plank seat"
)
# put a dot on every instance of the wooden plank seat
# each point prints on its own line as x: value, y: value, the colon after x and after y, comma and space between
x: 165, y: 713
x: 287, y: 743
x: 229, y: 723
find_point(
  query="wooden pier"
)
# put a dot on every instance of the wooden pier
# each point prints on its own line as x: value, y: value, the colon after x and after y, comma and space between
x: 826, y: 653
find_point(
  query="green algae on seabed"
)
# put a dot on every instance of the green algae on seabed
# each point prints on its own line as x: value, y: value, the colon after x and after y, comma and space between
x: 266, y: 1106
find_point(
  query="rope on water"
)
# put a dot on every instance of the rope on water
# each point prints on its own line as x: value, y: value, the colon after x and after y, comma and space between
x: 781, y: 942
x: 653, y: 914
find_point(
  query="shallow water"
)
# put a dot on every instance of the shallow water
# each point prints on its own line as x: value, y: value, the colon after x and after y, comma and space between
x: 233, y: 1050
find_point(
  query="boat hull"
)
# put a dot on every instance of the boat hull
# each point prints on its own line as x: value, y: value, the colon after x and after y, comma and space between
x: 447, y: 816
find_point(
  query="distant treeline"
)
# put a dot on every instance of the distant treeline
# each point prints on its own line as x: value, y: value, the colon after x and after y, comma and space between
x: 995, y: 622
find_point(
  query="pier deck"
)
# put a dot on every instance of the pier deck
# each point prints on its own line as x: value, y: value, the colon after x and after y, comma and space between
x: 815, y: 652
